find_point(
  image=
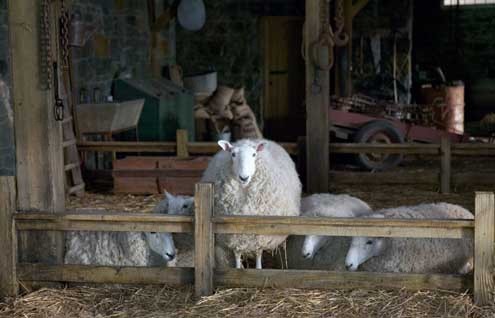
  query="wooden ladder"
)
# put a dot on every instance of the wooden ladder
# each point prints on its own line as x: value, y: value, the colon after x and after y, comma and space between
x: 74, y: 183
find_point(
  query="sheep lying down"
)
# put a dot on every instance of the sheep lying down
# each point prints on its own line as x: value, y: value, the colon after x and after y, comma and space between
x: 412, y: 254
x: 127, y: 248
x: 324, y: 252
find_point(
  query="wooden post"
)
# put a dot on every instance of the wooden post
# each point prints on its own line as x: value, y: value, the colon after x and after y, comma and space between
x: 317, y: 104
x: 38, y: 136
x: 204, y: 249
x: 181, y: 136
x: 8, y: 279
x: 445, y: 164
x: 484, y: 235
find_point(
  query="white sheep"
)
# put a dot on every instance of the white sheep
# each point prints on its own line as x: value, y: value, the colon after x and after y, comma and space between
x: 303, y: 252
x: 412, y: 254
x: 125, y: 248
x: 253, y: 177
x: 184, y: 242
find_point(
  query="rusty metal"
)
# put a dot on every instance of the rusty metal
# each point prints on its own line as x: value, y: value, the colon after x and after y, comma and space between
x: 46, y: 57
x: 454, y: 114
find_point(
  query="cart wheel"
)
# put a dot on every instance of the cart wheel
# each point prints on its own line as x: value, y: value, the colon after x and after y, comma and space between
x: 378, y: 131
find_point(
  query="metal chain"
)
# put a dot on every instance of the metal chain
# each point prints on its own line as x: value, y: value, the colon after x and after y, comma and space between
x: 45, y: 46
x: 64, y: 23
x: 341, y: 38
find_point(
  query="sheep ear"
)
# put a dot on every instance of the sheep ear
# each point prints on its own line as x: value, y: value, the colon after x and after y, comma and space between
x: 260, y: 147
x: 225, y: 145
x: 168, y: 195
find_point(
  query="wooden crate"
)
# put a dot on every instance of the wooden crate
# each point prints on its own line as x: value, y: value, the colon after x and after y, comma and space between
x: 149, y: 175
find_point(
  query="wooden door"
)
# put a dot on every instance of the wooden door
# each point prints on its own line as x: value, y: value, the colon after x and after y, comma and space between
x: 284, y: 81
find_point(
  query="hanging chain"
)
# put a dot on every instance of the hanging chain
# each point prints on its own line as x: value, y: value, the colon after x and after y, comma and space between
x: 45, y: 46
x: 64, y: 24
x: 341, y: 38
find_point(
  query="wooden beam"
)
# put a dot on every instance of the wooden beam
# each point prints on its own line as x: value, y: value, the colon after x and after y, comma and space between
x: 103, y: 221
x: 380, y: 178
x: 8, y: 246
x: 39, y: 155
x: 317, y: 279
x: 204, y: 248
x: 199, y: 148
x: 182, y: 151
x: 484, y: 248
x: 317, y: 107
x: 430, y: 149
x: 344, y: 226
x: 29, y: 272
x: 445, y: 165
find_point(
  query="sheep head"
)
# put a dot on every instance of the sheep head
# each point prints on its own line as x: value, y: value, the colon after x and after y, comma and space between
x: 243, y: 157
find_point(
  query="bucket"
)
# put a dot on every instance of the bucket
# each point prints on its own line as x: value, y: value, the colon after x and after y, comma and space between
x: 204, y: 83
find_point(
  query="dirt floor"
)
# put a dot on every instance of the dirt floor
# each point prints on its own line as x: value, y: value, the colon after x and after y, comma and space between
x: 179, y: 302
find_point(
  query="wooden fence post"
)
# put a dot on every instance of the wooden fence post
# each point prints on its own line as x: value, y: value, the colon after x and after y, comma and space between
x: 484, y: 235
x: 445, y: 165
x: 204, y: 249
x: 8, y: 246
x: 182, y: 151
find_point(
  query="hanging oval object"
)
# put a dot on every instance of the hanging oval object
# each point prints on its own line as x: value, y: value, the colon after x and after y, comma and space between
x: 191, y: 14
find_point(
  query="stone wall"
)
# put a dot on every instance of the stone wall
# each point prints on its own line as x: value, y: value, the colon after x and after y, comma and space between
x: 7, y: 150
x: 120, y: 43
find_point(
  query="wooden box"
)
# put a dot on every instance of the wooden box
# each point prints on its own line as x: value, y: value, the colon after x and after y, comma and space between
x: 150, y: 175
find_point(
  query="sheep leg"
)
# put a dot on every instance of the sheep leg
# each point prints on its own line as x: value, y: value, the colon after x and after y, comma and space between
x: 259, y: 253
x: 238, y: 263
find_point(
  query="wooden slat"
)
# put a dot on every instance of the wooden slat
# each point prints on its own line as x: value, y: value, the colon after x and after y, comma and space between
x: 344, y: 226
x: 105, y: 274
x: 268, y: 278
x: 199, y: 148
x: 385, y: 148
x: 104, y: 221
x: 484, y: 248
x: 70, y: 142
x: 77, y: 188
x: 317, y: 104
x: 476, y: 178
x: 204, y: 250
x: 380, y: 178
x: 8, y: 246
x: 445, y: 165
x: 464, y: 149
x: 182, y: 151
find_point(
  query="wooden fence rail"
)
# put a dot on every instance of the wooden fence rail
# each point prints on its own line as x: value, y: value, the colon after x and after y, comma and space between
x: 445, y: 150
x: 205, y: 225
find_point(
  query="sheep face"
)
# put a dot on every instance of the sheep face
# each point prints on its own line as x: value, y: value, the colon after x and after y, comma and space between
x: 311, y: 245
x: 243, y: 160
x: 361, y: 250
x: 163, y: 244
x: 179, y: 204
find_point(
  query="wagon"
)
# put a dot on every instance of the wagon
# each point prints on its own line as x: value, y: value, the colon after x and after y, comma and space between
x: 377, y: 127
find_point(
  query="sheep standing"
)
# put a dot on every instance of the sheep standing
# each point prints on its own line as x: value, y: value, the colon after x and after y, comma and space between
x: 303, y: 250
x: 125, y: 248
x: 253, y: 177
x: 411, y: 254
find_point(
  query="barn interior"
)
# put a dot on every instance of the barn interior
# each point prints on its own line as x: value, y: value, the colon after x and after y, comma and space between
x: 105, y: 105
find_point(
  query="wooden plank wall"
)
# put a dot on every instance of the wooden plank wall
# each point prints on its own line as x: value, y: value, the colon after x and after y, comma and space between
x: 38, y: 137
x: 8, y: 246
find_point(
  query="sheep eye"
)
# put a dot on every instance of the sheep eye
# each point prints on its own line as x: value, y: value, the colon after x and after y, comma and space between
x: 185, y: 206
x: 153, y: 232
x: 254, y: 155
x: 369, y: 242
x: 233, y: 154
